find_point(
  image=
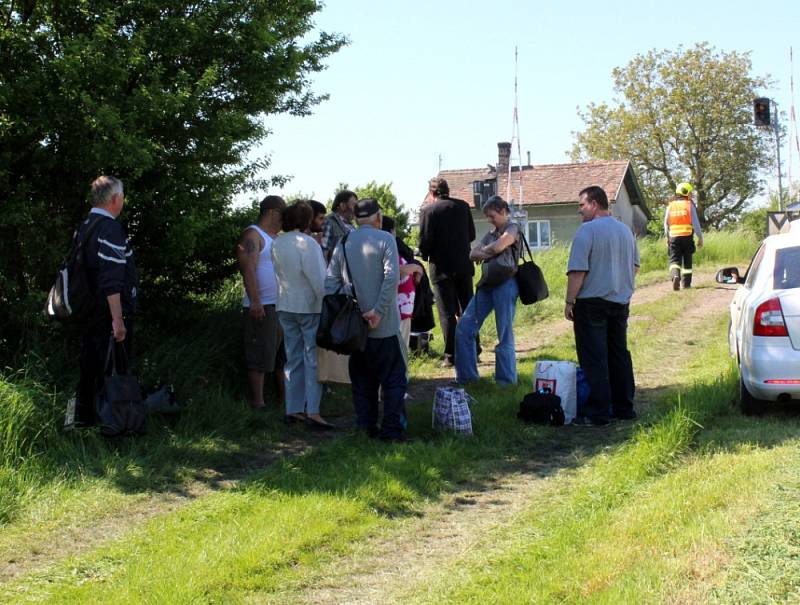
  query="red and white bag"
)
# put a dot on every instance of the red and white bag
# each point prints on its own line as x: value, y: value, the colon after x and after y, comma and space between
x: 559, y: 377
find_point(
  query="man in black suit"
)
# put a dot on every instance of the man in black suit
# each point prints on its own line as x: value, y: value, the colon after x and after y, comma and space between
x: 446, y: 230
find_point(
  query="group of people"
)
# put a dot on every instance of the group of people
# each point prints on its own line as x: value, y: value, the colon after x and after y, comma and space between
x: 289, y: 259
x: 296, y: 253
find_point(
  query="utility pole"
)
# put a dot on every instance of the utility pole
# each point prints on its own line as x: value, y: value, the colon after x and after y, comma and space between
x: 763, y: 116
x: 778, y: 154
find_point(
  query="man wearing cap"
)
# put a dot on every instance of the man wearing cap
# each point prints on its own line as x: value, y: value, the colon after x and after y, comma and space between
x: 446, y: 230
x: 374, y: 272
x: 680, y: 225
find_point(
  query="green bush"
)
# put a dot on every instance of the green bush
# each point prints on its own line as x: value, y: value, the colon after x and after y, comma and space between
x: 172, y: 101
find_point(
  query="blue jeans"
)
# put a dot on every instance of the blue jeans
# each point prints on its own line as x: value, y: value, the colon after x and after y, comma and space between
x: 303, y: 392
x: 502, y: 300
x: 380, y: 364
x: 601, y: 329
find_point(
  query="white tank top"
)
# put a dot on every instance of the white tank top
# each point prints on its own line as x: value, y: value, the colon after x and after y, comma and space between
x: 265, y: 273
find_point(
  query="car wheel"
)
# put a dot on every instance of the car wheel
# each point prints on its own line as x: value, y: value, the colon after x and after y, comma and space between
x: 749, y: 405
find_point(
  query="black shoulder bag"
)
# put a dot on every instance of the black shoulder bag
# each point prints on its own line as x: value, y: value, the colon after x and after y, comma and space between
x: 342, y: 328
x: 530, y: 279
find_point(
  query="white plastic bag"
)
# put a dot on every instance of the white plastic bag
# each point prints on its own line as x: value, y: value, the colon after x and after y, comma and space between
x: 559, y: 377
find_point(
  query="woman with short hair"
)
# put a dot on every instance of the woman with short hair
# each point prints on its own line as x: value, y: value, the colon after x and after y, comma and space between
x: 496, y: 291
x: 300, y: 271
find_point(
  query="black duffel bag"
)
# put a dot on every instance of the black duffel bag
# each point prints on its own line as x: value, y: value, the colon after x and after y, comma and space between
x: 342, y: 327
x: 530, y: 279
x: 119, y: 407
x: 541, y: 408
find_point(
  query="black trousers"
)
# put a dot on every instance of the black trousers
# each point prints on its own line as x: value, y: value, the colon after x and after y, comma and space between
x: 381, y: 364
x: 452, y: 297
x: 601, y: 330
x: 681, y: 249
x: 92, y: 361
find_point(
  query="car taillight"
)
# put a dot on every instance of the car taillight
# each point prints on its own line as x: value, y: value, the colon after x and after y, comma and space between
x: 769, y: 319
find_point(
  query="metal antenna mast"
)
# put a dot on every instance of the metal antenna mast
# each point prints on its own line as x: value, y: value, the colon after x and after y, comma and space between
x: 792, y: 125
x: 515, y: 137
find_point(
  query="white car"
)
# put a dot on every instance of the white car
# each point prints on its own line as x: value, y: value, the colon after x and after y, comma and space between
x: 764, y: 334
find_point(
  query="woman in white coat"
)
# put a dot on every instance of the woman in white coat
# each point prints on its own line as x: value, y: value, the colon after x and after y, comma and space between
x: 300, y: 270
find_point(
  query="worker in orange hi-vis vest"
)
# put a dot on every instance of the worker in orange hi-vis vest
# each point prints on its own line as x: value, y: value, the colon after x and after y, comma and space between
x: 681, y: 225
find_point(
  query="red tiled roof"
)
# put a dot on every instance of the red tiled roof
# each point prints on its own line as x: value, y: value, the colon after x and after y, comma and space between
x: 542, y: 184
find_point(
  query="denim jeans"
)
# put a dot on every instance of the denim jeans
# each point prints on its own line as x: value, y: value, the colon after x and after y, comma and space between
x: 303, y: 392
x: 381, y: 364
x: 502, y: 300
x: 601, y: 341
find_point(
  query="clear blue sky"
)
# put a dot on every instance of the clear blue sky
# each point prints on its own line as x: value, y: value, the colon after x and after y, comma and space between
x: 420, y: 79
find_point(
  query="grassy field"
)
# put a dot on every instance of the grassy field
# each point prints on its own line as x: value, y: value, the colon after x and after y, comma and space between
x: 692, y: 504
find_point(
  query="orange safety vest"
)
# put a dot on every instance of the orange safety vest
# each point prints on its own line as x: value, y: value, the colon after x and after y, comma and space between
x: 680, y: 218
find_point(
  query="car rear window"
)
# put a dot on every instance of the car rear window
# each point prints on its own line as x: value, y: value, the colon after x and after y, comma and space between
x: 787, y: 268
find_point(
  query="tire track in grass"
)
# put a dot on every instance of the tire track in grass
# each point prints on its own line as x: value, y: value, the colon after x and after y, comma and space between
x: 544, y: 333
x: 38, y: 549
x: 417, y: 550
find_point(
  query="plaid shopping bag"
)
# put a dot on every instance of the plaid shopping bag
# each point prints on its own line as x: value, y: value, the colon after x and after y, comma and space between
x: 451, y: 410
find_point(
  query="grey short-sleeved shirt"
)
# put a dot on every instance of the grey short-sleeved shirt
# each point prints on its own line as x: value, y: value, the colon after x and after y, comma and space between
x: 606, y: 249
x: 512, y: 228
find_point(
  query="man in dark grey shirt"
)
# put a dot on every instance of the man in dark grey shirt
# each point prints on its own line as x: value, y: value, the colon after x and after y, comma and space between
x: 603, y: 262
x: 374, y: 272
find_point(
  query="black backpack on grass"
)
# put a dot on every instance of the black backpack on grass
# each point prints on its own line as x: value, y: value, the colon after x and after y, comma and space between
x: 71, y: 300
x: 541, y: 408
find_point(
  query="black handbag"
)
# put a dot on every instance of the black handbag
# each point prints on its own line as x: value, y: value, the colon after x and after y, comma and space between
x: 530, y: 279
x: 119, y: 407
x: 541, y: 408
x: 342, y: 327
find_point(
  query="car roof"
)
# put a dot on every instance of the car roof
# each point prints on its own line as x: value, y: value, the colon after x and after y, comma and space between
x: 785, y: 240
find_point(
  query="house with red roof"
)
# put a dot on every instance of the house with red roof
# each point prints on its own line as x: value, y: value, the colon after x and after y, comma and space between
x: 549, y: 194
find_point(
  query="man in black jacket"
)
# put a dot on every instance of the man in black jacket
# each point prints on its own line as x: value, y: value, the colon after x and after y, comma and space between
x: 446, y: 230
x: 111, y: 271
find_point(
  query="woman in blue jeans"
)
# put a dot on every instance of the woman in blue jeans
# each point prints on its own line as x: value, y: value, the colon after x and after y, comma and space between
x: 496, y: 291
x: 300, y: 273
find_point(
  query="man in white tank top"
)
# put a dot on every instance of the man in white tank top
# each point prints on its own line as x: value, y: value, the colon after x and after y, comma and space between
x: 262, y: 333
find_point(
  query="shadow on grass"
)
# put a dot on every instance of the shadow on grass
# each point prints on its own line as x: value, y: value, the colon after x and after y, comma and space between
x: 390, y: 478
x: 394, y: 479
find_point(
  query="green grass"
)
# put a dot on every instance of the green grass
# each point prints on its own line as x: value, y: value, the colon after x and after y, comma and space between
x: 720, y: 248
x: 282, y: 526
x: 651, y: 521
x: 277, y: 532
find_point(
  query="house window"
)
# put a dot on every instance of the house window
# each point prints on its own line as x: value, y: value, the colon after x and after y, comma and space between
x: 539, y: 234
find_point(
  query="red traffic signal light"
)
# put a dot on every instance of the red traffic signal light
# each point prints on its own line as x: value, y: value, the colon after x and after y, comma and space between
x: 761, y: 112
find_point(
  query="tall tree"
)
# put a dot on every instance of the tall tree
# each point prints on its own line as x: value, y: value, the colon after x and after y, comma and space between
x: 684, y: 115
x: 388, y: 203
x: 168, y: 95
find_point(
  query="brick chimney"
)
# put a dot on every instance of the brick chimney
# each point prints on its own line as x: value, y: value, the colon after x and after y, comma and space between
x: 503, y: 158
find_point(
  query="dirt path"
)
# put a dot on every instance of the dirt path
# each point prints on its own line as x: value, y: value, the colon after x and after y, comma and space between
x: 413, y: 553
x: 547, y: 332
x: 445, y: 528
